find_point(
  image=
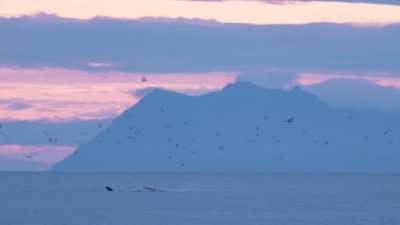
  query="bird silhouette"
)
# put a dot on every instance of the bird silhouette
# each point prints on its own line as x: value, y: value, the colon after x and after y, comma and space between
x: 108, y: 188
x: 52, y: 140
x: 290, y: 120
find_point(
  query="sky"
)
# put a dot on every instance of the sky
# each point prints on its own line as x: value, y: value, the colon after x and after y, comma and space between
x: 83, y: 60
x: 65, y: 94
x: 256, y: 12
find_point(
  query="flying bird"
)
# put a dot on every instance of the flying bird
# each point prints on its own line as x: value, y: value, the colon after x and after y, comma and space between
x: 29, y: 156
x: 290, y: 120
x: 144, y: 79
x: 52, y: 140
x: 109, y: 188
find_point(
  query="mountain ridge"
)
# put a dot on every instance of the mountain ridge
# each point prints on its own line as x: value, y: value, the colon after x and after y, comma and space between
x: 242, y: 127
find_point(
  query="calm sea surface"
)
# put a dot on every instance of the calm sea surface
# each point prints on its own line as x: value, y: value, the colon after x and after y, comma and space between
x: 215, y: 199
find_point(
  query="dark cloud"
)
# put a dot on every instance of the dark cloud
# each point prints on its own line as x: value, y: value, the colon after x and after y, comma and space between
x: 70, y: 133
x: 15, y: 104
x: 7, y: 164
x: 187, y: 46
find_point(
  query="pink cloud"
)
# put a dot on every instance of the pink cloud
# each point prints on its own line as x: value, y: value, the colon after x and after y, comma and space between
x: 100, y: 65
x: 63, y: 94
x: 389, y: 82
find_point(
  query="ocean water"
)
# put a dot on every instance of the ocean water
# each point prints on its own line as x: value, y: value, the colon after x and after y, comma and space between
x: 194, y: 199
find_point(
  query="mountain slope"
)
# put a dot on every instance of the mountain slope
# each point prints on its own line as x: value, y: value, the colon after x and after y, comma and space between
x: 241, y: 128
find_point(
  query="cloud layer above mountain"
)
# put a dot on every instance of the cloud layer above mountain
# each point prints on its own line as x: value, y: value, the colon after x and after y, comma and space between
x: 187, y: 46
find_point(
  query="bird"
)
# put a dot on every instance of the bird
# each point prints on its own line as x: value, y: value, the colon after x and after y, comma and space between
x: 290, y: 120
x: 109, y: 188
x: 144, y: 79
x: 52, y: 140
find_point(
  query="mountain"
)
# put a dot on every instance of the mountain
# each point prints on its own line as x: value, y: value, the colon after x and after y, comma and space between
x: 243, y: 128
x: 357, y: 94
